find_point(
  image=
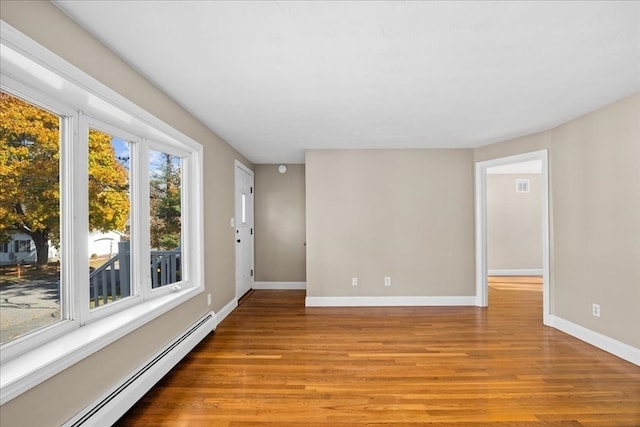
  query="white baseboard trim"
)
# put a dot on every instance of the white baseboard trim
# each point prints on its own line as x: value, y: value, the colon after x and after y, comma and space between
x: 603, y: 342
x: 225, y: 311
x: 389, y: 301
x: 108, y: 408
x: 280, y: 285
x: 516, y: 272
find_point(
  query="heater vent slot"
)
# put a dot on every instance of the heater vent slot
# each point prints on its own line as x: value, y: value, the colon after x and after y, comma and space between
x: 522, y: 185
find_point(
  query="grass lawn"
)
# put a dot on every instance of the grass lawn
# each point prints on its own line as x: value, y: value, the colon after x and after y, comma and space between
x: 28, y: 272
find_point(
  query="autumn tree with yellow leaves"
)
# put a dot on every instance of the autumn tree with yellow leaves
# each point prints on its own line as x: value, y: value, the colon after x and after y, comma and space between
x: 30, y: 177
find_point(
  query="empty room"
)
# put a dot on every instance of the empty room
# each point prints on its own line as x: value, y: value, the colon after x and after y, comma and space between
x: 239, y: 213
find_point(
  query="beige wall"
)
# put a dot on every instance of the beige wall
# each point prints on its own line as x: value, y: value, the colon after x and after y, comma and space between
x: 280, y: 253
x: 407, y: 214
x: 595, y: 216
x: 58, y: 399
x: 514, y: 231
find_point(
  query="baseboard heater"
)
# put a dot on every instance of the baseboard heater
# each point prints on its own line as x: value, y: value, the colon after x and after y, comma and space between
x: 111, y: 406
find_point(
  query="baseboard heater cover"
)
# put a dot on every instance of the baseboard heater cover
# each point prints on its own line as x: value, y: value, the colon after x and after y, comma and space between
x: 110, y: 407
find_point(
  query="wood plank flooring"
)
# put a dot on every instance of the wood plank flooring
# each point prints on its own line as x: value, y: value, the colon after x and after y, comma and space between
x: 273, y: 362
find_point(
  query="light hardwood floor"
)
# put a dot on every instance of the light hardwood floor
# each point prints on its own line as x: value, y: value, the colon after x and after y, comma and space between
x: 273, y: 362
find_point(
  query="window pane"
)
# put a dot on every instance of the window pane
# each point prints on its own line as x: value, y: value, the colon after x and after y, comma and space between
x: 165, y: 218
x: 29, y: 217
x: 244, y: 208
x: 109, y: 207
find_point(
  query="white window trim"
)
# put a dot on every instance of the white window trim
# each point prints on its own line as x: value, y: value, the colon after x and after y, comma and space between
x: 86, y: 315
x: 63, y: 81
x: 30, y: 369
x: 144, y: 194
x: 68, y: 126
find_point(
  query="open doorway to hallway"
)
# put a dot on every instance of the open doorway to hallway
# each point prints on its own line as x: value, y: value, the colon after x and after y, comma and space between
x: 516, y: 294
x: 514, y: 231
x: 512, y: 224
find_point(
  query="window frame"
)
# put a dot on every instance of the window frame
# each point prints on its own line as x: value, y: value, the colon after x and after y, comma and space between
x: 184, y: 213
x: 36, y: 75
x: 87, y: 314
x: 68, y: 124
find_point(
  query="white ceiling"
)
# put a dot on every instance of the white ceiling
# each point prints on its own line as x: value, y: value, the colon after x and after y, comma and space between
x: 276, y: 78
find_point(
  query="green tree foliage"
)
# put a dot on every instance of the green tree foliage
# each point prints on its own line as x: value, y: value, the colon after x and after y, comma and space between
x: 165, y: 204
x: 30, y: 177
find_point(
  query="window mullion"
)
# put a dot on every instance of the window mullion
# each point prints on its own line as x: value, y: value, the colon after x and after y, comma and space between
x: 140, y: 235
x: 187, y: 226
x: 79, y: 243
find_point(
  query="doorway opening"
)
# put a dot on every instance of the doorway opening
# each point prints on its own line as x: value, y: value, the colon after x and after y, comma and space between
x: 540, y: 242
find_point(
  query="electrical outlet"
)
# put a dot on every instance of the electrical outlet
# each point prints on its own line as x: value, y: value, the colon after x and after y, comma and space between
x: 209, y: 299
x: 387, y: 281
x: 354, y: 281
x: 595, y: 310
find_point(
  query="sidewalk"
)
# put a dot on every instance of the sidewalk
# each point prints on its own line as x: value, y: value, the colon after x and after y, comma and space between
x: 27, y: 305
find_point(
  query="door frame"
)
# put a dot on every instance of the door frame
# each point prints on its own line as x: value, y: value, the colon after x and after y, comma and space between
x: 482, y: 293
x: 240, y: 166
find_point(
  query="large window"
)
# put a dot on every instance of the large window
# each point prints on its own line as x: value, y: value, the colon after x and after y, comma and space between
x: 165, y: 218
x: 29, y: 212
x: 109, y: 218
x: 100, y: 215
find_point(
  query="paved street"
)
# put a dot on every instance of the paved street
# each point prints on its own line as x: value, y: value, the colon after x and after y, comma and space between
x: 25, y: 306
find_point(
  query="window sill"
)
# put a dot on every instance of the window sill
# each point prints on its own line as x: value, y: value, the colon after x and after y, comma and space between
x: 36, y: 366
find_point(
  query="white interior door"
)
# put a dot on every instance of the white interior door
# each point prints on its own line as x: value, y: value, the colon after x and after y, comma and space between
x: 244, y: 229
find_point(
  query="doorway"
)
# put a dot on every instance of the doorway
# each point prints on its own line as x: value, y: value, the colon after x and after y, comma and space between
x: 244, y: 229
x: 482, y: 267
